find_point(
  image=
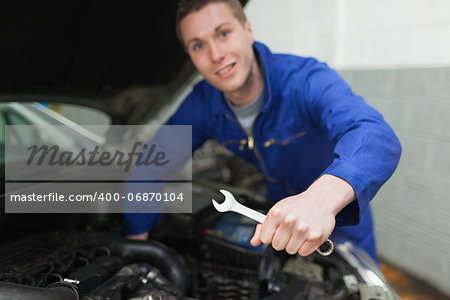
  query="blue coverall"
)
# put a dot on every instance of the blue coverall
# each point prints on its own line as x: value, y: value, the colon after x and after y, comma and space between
x: 311, y: 123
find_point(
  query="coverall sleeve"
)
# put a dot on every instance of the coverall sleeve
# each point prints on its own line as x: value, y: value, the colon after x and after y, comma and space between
x: 366, y: 150
x: 190, y: 112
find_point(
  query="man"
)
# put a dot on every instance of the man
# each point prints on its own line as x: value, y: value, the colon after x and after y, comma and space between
x: 323, y: 151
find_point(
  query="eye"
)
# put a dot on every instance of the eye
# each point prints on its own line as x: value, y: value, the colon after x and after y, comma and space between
x: 223, y: 34
x: 197, y: 46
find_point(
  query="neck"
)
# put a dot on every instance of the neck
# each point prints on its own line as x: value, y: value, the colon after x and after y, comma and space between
x: 250, y: 90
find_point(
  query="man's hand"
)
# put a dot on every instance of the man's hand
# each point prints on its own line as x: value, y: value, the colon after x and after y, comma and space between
x: 140, y: 237
x: 301, y: 223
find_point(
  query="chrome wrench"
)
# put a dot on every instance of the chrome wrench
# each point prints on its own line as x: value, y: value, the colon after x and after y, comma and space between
x: 230, y: 204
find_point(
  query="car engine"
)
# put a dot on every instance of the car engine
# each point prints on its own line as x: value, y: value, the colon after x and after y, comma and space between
x: 203, y: 255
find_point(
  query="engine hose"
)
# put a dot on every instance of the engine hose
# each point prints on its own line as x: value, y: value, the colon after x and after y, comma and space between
x: 12, y: 291
x: 157, y: 255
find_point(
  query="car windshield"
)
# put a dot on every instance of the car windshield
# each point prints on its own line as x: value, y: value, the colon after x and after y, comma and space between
x: 70, y: 136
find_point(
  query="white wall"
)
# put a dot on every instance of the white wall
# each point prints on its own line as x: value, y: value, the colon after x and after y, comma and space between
x: 394, y: 33
x: 357, y: 33
x: 303, y: 27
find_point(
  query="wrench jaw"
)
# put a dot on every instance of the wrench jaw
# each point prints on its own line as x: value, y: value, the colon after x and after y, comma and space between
x: 227, y: 204
x: 222, y: 207
x: 228, y: 196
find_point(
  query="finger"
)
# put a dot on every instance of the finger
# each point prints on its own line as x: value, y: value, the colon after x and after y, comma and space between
x: 311, y: 244
x: 283, y: 232
x: 139, y: 237
x: 270, y: 225
x: 297, y: 238
x: 255, y: 241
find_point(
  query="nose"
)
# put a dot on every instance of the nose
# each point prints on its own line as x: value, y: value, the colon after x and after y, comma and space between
x: 216, y: 52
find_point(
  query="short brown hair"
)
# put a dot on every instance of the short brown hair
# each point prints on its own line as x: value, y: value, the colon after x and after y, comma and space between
x: 185, y: 7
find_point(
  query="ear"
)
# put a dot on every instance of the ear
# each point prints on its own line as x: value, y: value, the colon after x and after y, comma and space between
x: 249, y: 30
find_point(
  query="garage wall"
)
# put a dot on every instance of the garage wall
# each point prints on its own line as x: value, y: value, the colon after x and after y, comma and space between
x: 393, y: 33
x: 412, y: 211
x: 304, y: 27
x: 396, y: 53
x: 357, y: 33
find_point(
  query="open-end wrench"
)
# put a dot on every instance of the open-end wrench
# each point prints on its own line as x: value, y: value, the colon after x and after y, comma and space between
x: 230, y: 204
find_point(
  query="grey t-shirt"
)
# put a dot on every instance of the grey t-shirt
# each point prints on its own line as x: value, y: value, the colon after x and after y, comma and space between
x: 246, y: 114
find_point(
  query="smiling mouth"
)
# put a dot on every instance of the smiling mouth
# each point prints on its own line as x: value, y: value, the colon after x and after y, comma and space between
x: 226, y: 69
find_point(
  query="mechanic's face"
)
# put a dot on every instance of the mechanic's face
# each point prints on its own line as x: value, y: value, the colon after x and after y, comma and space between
x: 220, y: 47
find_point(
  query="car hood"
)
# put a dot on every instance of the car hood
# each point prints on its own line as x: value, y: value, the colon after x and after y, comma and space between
x: 91, y: 53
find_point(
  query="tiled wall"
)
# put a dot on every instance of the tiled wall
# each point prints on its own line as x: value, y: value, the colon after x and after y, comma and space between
x: 412, y: 211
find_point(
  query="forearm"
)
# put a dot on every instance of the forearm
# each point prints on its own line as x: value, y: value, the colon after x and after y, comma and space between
x: 332, y: 192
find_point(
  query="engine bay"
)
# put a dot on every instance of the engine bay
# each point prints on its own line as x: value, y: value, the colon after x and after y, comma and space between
x: 203, y: 255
